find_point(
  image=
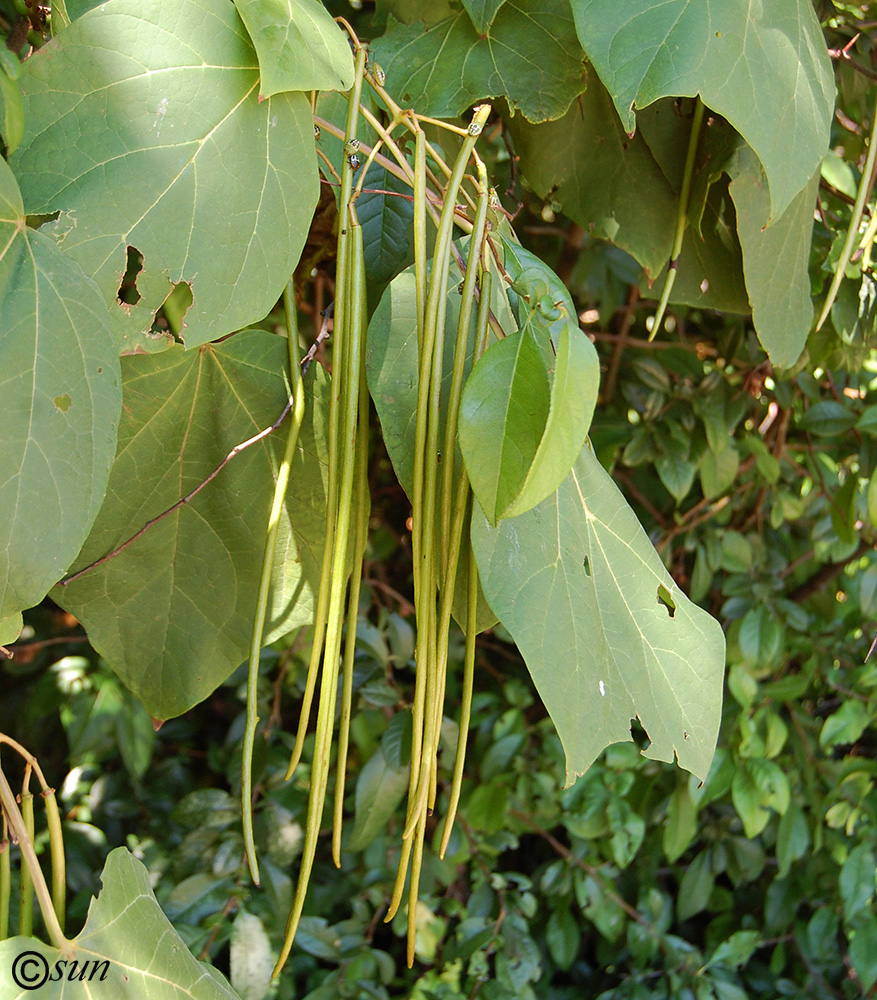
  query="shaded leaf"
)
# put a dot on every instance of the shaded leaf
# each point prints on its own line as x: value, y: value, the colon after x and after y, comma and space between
x: 172, y: 613
x: 696, y: 886
x: 380, y: 787
x: 126, y: 929
x: 144, y: 129
x: 61, y: 392
x: 579, y: 587
x: 300, y: 47
x: 856, y: 881
x: 731, y: 53
x: 250, y: 960
x: 775, y: 259
x: 863, y: 951
x: 386, y: 226
x: 587, y: 164
x: 529, y: 55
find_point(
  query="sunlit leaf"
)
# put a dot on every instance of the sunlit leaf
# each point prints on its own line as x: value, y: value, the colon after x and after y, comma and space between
x: 61, y: 393
x: 172, y: 613
x: 605, y: 632
x: 144, y: 129
x: 300, y: 47
x: 731, y: 53
x: 128, y: 948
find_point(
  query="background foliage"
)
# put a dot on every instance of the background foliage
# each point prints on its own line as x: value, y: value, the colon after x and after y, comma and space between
x: 745, y: 445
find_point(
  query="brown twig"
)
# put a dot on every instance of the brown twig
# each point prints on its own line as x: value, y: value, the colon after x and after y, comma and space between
x: 238, y: 448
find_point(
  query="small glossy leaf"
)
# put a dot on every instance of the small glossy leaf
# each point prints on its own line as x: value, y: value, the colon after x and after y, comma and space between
x: 676, y: 473
x: 562, y: 937
x: 144, y: 129
x: 386, y: 223
x: 696, y: 887
x: 379, y: 789
x: 730, y: 52
x: 300, y: 47
x: 846, y: 725
x: 528, y: 55
x: 793, y: 839
x: 736, y: 951
x: 127, y: 937
x: 827, y: 418
x: 578, y: 585
x: 863, y: 951
x: 681, y: 823
x: 172, y: 613
x: 61, y: 391
x: 718, y: 470
x: 856, y: 880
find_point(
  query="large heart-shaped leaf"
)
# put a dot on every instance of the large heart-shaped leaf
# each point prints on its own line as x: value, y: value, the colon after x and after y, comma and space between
x: 732, y: 53
x: 61, y: 393
x: 605, y: 632
x: 300, y: 47
x: 172, y: 613
x: 128, y: 948
x: 528, y: 403
x: 529, y: 55
x: 144, y: 129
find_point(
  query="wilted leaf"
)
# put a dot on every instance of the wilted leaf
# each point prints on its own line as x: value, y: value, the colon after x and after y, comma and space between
x: 172, y: 613
x: 60, y: 386
x: 131, y: 948
x: 144, y: 129
x: 605, y: 632
x: 300, y: 47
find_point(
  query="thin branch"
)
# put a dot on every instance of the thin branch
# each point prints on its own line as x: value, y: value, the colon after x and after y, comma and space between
x: 238, y: 448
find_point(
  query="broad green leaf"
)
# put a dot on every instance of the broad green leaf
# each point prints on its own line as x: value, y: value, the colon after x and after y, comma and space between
x: 845, y: 725
x: 10, y: 628
x: 60, y: 386
x: 380, y: 787
x: 482, y: 13
x: 528, y: 403
x: 131, y: 948
x: 144, y: 129
x: 605, y: 632
x: 775, y: 259
x: 300, y: 47
x: 529, y: 55
x: 503, y: 414
x: 827, y: 418
x: 172, y: 613
x: 731, y: 53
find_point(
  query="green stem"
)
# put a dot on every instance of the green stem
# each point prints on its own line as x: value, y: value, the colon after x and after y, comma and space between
x: 5, y: 878
x: 865, y: 185
x: 681, y: 216
x: 296, y: 420
x: 26, y: 886
x: 32, y: 865
x: 56, y: 852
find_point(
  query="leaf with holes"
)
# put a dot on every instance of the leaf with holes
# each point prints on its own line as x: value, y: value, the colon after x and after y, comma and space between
x: 731, y: 53
x: 300, y: 47
x: 61, y: 392
x: 529, y: 55
x: 605, y: 632
x: 172, y: 613
x: 128, y: 948
x: 144, y: 129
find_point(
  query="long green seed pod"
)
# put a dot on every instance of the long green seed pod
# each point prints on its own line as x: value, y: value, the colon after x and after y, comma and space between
x: 296, y: 420
x: 56, y: 851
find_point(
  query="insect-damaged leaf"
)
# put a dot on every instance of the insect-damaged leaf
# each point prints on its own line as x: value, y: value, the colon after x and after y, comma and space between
x: 605, y: 632
x: 172, y: 613
x: 144, y: 130
x: 127, y: 948
x: 61, y: 396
